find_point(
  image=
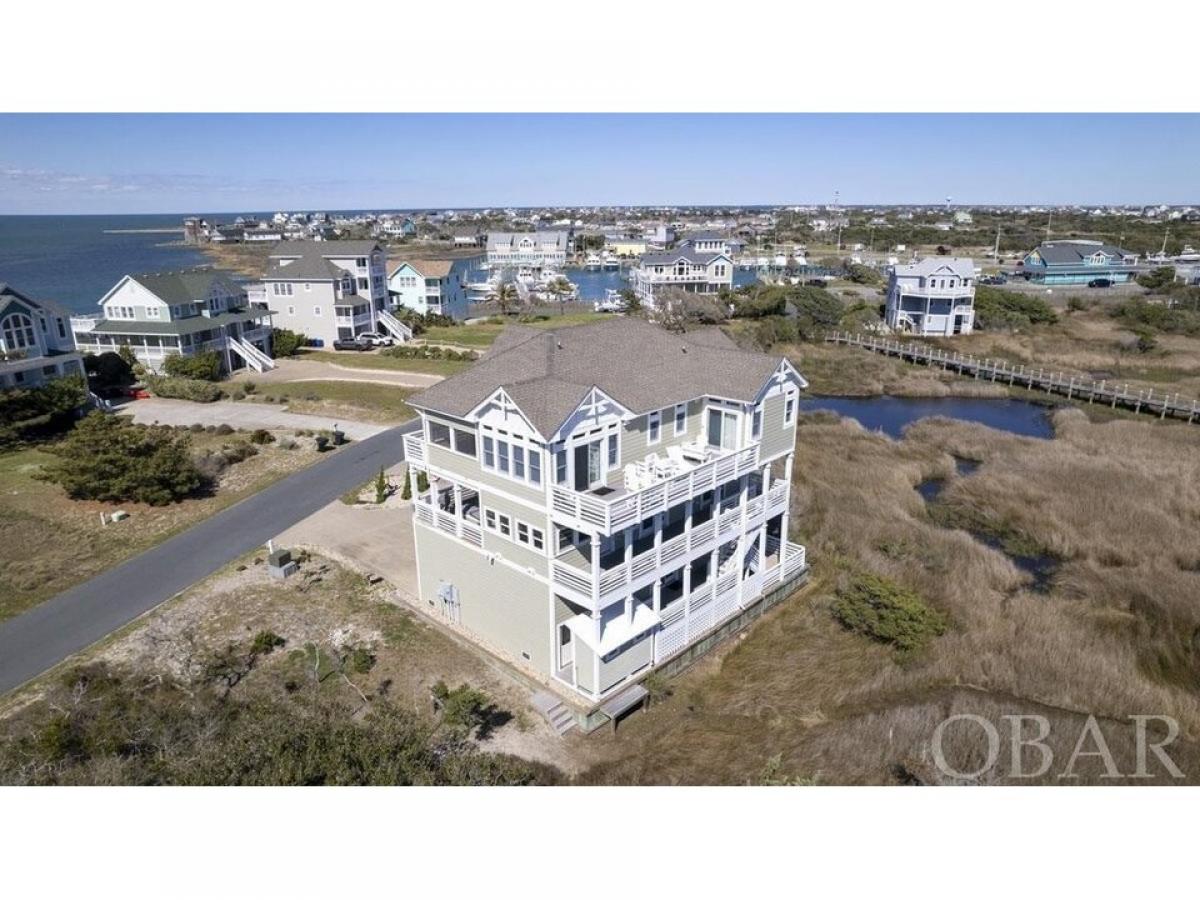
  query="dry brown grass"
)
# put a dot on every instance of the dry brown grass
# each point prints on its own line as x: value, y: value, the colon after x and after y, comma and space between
x: 1117, y: 634
x: 850, y: 371
x: 1092, y: 344
x: 49, y: 542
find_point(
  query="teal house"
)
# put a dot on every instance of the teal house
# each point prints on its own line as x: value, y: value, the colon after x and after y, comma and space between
x: 1079, y: 262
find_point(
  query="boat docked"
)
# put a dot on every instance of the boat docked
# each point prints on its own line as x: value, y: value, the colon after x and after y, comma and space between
x: 593, y: 262
x: 613, y: 302
x: 610, y: 260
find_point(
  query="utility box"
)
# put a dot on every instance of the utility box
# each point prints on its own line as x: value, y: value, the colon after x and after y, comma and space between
x: 280, y: 564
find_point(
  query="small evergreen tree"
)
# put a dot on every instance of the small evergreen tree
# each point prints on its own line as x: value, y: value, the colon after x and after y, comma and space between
x: 381, y: 486
x: 113, y: 458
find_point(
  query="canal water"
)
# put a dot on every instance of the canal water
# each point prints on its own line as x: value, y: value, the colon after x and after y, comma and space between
x: 594, y: 284
x: 892, y: 415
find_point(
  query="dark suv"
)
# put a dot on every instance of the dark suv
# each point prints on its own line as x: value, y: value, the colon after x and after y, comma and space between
x: 351, y: 344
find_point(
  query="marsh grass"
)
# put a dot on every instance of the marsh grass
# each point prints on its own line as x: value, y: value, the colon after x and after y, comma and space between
x: 1117, y: 634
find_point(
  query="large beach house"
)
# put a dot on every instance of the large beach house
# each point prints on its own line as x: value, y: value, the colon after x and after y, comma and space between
x: 701, y: 264
x: 535, y: 249
x: 934, y: 297
x: 601, y: 498
x: 331, y: 290
x: 429, y: 286
x: 36, y: 345
x: 1079, y: 262
x: 164, y: 314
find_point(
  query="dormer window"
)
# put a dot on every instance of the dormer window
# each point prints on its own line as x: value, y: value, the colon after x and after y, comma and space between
x: 18, y: 332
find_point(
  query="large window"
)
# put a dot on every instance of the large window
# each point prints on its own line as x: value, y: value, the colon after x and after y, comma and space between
x: 464, y: 442
x: 439, y: 434
x: 654, y: 431
x: 18, y: 332
x: 513, y: 457
x: 722, y: 429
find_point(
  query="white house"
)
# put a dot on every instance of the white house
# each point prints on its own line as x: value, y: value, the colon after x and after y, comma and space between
x: 36, y: 344
x: 163, y: 314
x: 536, y: 249
x: 331, y: 290
x: 428, y: 286
x: 686, y: 268
x: 934, y: 297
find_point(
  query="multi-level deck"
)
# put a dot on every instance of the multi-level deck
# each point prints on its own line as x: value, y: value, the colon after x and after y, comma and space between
x: 594, y: 541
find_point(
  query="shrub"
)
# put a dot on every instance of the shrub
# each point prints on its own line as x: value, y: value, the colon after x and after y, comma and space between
x: 1142, y: 316
x: 261, y: 436
x: 57, y: 399
x: 108, y: 369
x: 463, y: 707
x: 1157, y: 278
x: 286, y: 343
x: 887, y: 612
x: 264, y: 642
x: 381, y: 486
x: 199, y: 366
x: 996, y: 309
x: 183, y: 389
x: 224, y: 429
x: 113, y: 458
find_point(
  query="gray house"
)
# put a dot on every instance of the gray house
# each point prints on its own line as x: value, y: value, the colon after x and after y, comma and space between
x: 36, y: 345
x: 604, y: 496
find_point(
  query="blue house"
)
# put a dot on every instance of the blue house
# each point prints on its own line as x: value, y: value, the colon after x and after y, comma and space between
x: 429, y: 286
x: 1079, y: 262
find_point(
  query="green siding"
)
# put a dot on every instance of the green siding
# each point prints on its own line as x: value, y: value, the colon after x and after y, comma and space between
x: 505, y: 608
x: 634, y: 434
x: 522, y: 554
x: 776, y: 437
x: 468, y: 468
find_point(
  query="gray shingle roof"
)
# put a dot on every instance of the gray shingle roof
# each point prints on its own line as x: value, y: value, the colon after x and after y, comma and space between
x: 1065, y: 253
x: 187, y: 286
x: 962, y: 266
x: 641, y: 366
x: 685, y: 252
x: 310, y: 260
x: 188, y: 325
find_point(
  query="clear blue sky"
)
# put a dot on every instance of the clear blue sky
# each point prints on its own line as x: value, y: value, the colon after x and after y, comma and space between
x: 218, y: 163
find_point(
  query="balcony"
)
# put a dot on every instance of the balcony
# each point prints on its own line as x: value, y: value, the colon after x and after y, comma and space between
x: 437, y: 510
x: 572, y: 567
x: 622, y: 506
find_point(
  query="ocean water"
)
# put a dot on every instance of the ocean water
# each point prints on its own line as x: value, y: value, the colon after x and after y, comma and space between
x: 72, y: 260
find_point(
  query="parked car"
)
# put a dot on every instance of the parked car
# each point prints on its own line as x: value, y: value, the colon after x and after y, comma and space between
x: 1100, y: 282
x: 993, y: 279
x: 376, y: 338
x: 351, y: 344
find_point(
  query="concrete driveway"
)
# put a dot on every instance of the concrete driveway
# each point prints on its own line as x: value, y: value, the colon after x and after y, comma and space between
x: 238, y: 415
x: 373, y: 540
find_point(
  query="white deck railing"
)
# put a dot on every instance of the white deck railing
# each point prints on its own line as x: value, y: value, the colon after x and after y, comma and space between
x: 626, y: 576
x: 414, y: 448
x: 591, y: 513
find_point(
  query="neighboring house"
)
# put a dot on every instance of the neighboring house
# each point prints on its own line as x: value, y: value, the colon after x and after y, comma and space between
x: 706, y: 242
x: 164, y: 314
x: 469, y: 237
x: 1079, y: 262
x: 330, y: 290
x: 659, y: 235
x: 624, y: 246
x: 934, y: 297
x: 428, y: 286
x: 686, y: 268
x: 36, y: 345
x: 602, y: 497
x: 536, y: 249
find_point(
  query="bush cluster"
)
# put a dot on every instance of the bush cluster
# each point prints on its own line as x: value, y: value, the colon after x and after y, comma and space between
x: 198, y: 367
x: 408, y: 351
x: 996, y: 309
x: 114, y: 459
x: 888, y: 612
x: 286, y: 343
x: 183, y: 389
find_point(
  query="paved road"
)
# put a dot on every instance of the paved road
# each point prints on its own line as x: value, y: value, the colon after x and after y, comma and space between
x: 238, y: 415
x: 44, y: 636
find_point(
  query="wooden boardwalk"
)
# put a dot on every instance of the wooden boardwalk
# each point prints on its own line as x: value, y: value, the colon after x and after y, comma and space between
x: 1110, y: 393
